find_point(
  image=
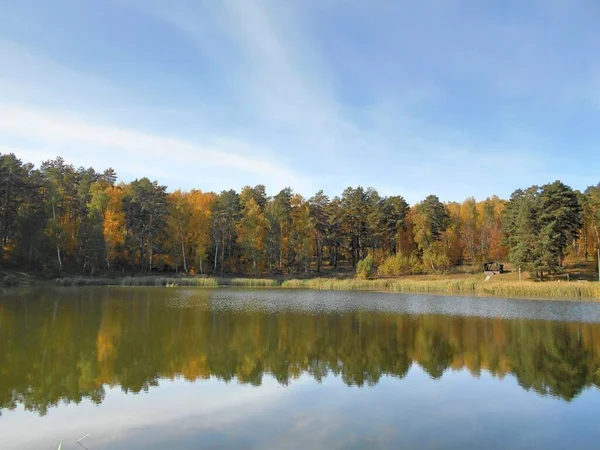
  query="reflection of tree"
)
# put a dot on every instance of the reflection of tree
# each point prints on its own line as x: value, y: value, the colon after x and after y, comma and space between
x: 436, y: 353
x: 557, y: 364
x: 69, y: 350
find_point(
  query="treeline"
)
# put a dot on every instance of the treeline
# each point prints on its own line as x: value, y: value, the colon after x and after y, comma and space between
x: 135, y: 339
x: 58, y: 218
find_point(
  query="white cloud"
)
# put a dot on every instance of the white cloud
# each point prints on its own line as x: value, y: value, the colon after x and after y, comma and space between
x: 55, y: 129
x: 277, y: 76
x: 408, y: 98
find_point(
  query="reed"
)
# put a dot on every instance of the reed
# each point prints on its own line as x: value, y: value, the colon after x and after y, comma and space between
x: 334, y: 284
x: 468, y: 286
x: 500, y: 288
x: 168, y: 281
x: 249, y: 282
x: 85, y: 281
x: 496, y: 287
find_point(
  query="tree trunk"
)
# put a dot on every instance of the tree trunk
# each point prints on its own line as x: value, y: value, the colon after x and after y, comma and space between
x: 183, y: 255
x: 56, y: 236
x: 142, y: 256
x: 150, y: 253
x: 216, y: 254
x: 222, y: 253
x: 230, y: 248
x: 319, y: 251
x: 280, y: 257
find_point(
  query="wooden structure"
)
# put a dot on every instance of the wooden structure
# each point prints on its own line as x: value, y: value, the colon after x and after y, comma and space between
x: 493, y: 268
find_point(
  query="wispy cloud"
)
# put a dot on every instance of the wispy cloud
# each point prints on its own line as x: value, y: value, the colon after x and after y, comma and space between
x: 52, y: 129
x: 277, y: 77
x: 412, y: 98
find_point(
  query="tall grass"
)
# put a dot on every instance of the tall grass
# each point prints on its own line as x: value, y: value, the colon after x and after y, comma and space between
x: 334, y: 284
x: 168, y: 281
x: 469, y: 286
x: 501, y: 288
x: 496, y: 287
x: 249, y: 282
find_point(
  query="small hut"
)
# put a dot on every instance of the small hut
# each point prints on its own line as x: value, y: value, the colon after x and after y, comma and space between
x: 493, y: 268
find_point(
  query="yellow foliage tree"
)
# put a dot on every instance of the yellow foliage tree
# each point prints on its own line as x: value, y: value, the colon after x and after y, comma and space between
x: 199, y: 225
x: 252, y: 229
x: 114, y: 224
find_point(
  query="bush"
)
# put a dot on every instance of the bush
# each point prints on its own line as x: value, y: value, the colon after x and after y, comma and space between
x: 398, y: 265
x: 436, y: 258
x: 364, y: 268
x: 11, y: 281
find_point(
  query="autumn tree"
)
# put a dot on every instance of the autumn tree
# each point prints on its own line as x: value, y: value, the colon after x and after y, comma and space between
x: 63, y: 218
x: 93, y: 243
x: 452, y: 237
x: 591, y: 213
x: 469, y: 218
x: 491, y: 237
x: 114, y: 225
x: 430, y: 221
x: 252, y: 227
x: 200, y: 226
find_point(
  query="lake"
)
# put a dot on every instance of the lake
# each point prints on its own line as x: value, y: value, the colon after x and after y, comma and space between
x: 156, y: 368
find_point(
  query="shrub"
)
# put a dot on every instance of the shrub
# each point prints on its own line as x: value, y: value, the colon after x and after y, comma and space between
x: 11, y: 281
x: 398, y: 265
x: 364, y: 268
x: 436, y: 258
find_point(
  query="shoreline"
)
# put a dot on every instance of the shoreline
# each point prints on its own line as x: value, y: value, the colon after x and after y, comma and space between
x: 559, y: 290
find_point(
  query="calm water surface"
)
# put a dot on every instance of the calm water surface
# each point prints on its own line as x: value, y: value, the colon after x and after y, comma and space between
x: 155, y: 368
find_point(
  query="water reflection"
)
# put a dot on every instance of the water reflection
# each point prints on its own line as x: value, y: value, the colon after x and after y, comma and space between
x: 70, y: 345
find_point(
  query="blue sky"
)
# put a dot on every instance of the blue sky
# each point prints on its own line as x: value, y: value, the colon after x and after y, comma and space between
x: 450, y: 97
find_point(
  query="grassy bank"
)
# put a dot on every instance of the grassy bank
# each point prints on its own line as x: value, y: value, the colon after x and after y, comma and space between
x: 469, y: 286
x: 168, y: 281
x: 496, y: 287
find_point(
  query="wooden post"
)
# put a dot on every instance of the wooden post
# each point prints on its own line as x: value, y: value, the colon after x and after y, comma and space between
x: 519, y: 273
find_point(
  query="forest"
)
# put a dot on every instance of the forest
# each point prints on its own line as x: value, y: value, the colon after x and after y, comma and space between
x: 58, y: 219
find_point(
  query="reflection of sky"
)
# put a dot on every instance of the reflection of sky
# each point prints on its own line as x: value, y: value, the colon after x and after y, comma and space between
x: 458, y: 411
